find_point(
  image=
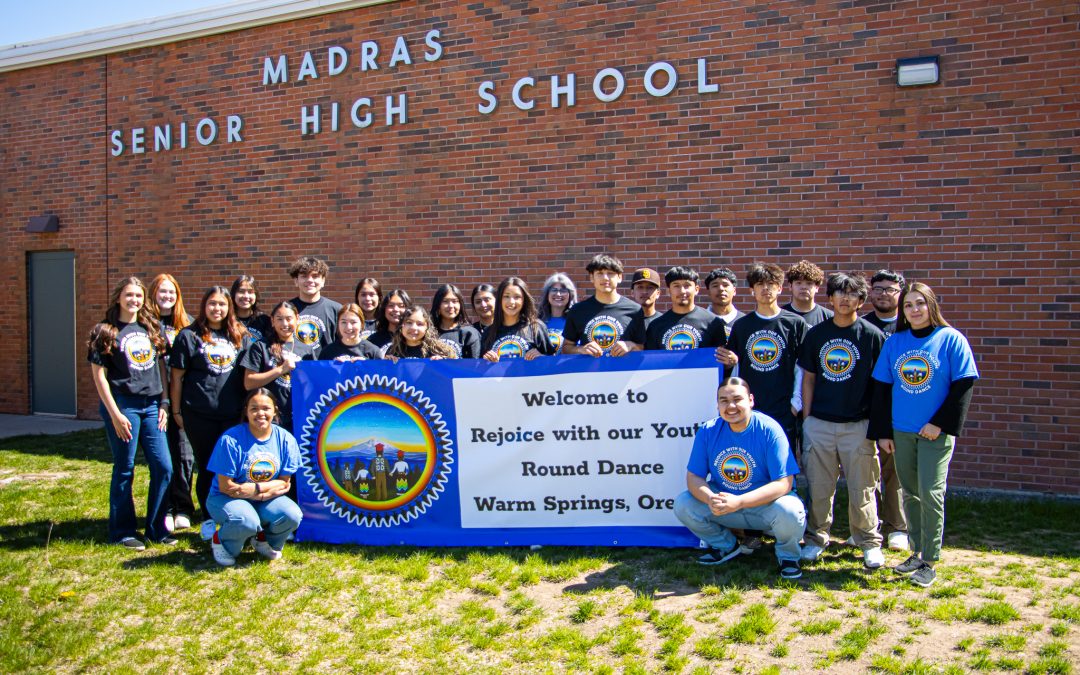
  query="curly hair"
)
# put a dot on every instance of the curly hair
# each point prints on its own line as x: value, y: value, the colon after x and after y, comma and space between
x: 430, y: 346
x: 103, y: 335
x: 804, y: 270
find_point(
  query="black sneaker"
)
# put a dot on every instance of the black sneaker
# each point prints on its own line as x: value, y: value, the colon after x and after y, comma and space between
x: 789, y: 569
x: 168, y: 541
x: 751, y: 543
x: 913, y: 563
x: 132, y: 544
x: 717, y: 557
x: 924, y: 576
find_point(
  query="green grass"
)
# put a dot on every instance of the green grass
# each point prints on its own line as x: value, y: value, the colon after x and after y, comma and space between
x: 70, y: 602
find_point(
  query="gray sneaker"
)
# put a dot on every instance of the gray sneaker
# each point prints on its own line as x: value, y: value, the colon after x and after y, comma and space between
x: 717, y: 557
x: 924, y: 576
x: 750, y: 544
x: 132, y: 544
x: 913, y: 563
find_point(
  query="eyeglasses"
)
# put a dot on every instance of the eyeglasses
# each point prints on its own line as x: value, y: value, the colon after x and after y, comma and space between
x: 559, y: 291
x: 853, y: 295
x: 886, y: 290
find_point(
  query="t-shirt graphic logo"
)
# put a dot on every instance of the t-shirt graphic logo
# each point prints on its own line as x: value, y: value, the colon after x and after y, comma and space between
x: 307, y: 331
x: 452, y: 345
x: 681, y: 336
x: 220, y: 355
x: 604, y: 333
x: 915, y: 370
x: 261, y: 470
x: 510, y: 347
x: 555, y: 338
x: 139, y: 351
x: 736, y: 469
x: 838, y: 360
x: 764, y: 350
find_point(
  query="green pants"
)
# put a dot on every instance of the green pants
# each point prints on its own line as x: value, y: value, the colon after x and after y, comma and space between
x: 923, y: 467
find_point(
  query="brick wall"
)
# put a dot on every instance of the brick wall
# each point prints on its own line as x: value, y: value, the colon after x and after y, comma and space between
x: 808, y: 149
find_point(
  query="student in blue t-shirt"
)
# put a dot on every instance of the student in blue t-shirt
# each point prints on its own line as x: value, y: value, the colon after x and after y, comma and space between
x: 254, y: 462
x: 929, y: 371
x: 740, y: 475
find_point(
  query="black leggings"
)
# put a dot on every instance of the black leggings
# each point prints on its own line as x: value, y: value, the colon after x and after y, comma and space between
x: 203, y: 432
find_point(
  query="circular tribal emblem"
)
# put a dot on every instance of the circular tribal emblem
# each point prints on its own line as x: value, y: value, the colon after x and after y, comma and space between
x: 376, y: 451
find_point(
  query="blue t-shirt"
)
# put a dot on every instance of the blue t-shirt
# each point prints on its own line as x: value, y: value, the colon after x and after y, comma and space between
x: 246, y: 459
x: 555, y: 327
x: 921, y: 370
x: 738, y: 462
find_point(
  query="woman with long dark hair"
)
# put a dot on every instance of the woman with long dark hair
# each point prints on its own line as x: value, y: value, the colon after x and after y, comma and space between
x: 417, y: 339
x: 483, y: 303
x: 559, y: 294
x: 270, y: 363
x: 207, y: 387
x: 516, y: 332
x: 452, y: 322
x: 245, y: 295
x: 368, y: 294
x: 388, y: 318
x: 928, y: 371
x: 125, y: 352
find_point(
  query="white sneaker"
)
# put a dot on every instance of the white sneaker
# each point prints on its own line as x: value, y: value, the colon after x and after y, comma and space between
x: 169, y: 525
x: 221, y: 556
x: 811, y: 552
x: 182, y: 521
x: 263, y: 548
x: 873, y: 558
x: 207, y: 529
x: 898, y: 541
x: 850, y: 541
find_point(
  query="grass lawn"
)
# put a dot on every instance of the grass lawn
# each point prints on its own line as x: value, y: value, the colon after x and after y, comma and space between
x: 1007, y: 598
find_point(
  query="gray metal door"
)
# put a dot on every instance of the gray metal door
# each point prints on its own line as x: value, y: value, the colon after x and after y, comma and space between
x: 52, y: 332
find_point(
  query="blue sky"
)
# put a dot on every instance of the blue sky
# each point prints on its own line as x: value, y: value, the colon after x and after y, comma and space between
x: 29, y: 21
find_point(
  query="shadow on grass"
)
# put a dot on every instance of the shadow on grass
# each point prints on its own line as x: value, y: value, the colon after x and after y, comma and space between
x: 87, y: 446
x: 41, y: 532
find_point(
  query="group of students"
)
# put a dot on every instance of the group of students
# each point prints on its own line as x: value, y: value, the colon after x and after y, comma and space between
x: 233, y: 362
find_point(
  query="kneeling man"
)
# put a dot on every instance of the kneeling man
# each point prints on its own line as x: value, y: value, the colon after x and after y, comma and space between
x: 740, y: 476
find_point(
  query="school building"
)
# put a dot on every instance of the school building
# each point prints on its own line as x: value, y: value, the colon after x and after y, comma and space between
x: 441, y: 141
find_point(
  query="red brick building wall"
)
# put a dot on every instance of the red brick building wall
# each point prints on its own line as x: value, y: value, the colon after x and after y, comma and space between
x: 808, y: 149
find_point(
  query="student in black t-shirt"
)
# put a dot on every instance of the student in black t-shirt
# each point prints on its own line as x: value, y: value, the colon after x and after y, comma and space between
x: 166, y: 304
x: 483, y: 303
x: 350, y: 344
x: 452, y: 322
x: 805, y: 278
x: 125, y: 352
x: 367, y: 295
x: 721, y: 285
x: 318, y: 315
x: 685, y: 325
x: 645, y: 290
x: 516, y: 333
x: 606, y: 323
x: 417, y: 338
x: 558, y: 296
x: 207, y: 385
x: 270, y: 363
x: 388, y: 318
x: 885, y: 288
x: 765, y: 346
x: 837, y: 359
x: 245, y: 296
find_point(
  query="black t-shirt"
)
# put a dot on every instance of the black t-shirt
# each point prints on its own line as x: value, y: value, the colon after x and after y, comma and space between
x: 593, y: 321
x: 841, y: 360
x: 259, y: 358
x: 381, y: 339
x: 464, y: 340
x: 132, y: 366
x: 812, y: 318
x: 729, y: 324
x: 213, y: 386
x: 695, y: 329
x: 768, y: 350
x: 513, y: 342
x: 361, y: 350
x: 480, y: 327
x: 167, y: 330
x: 369, y: 329
x: 887, y: 327
x: 649, y: 319
x: 259, y: 326
x: 317, y: 323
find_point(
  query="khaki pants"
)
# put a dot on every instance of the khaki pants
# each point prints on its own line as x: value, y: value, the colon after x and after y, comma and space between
x: 828, y: 447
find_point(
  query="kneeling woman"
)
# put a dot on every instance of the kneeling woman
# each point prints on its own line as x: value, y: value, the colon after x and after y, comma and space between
x: 254, y: 462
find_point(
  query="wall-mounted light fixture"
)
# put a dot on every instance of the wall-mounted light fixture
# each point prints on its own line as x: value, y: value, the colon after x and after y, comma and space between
x: 46, y: 223
x: 918, y: 71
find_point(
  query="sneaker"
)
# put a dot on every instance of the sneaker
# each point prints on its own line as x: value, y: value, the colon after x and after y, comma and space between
x: 850, y: 541
x: 716, y: 557
x: 207, y: 529
x: 924, y: 576
x: 168, y: 541
x: 182, y: 521
x: 873, y: 558
x: 913, y: 563
x: 221, y: 556
x: 132, y: 544
x: 898, y: 541
x: 812, y: 552
x: 263, y: 548
x: 789, y: 569
x: 750, y: 544
x: 169, y: 524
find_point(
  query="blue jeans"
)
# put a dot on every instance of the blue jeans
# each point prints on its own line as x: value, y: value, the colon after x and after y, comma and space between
x: 142, y: 413
x: 785, y: 519
x: 241, y: 519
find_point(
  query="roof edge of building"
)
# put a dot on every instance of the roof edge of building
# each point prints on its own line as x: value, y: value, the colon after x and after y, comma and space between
x: 167, y: 29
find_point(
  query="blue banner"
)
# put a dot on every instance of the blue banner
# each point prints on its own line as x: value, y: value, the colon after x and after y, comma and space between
x: 566, y: 450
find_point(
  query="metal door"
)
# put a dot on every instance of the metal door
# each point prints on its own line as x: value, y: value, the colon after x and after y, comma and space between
x: 52, y: 332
